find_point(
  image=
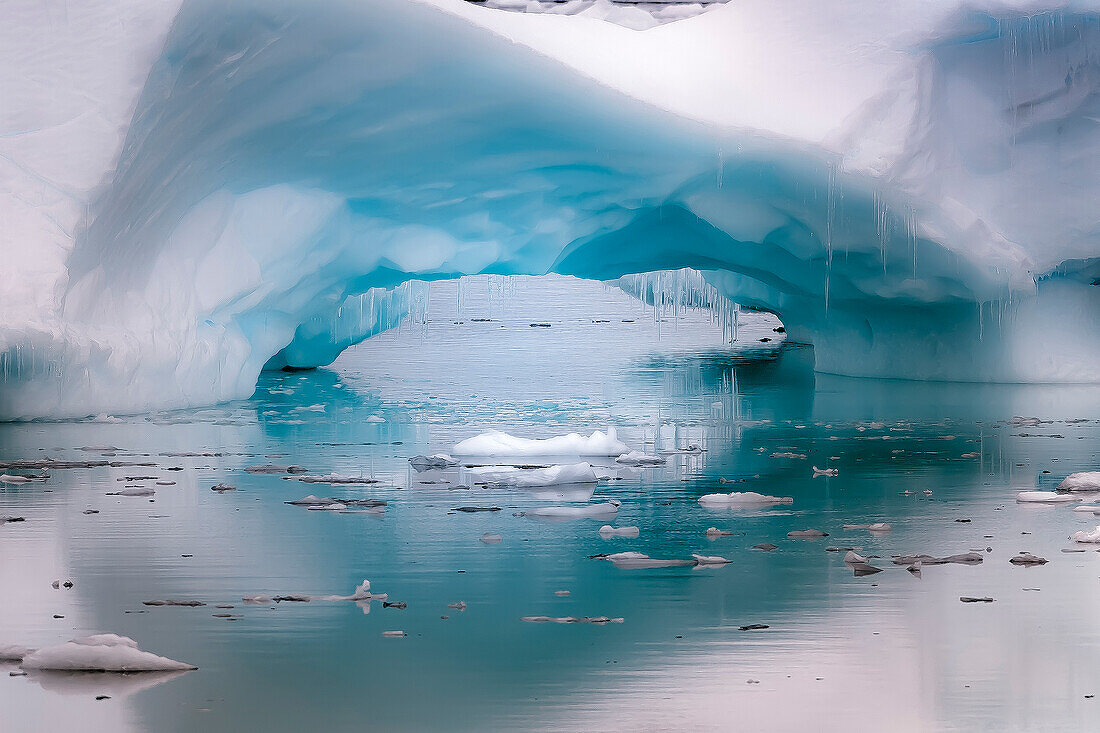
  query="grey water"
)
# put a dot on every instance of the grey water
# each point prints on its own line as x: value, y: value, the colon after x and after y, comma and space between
x: 889, y: 651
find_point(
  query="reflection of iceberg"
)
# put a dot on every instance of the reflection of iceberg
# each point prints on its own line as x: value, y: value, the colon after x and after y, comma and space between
x: 98, y: 683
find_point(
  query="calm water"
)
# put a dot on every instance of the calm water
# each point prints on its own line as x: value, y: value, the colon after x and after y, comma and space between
x: 882, y: 652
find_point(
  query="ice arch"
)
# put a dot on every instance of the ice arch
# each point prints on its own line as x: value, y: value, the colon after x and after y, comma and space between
x: 911, y: 188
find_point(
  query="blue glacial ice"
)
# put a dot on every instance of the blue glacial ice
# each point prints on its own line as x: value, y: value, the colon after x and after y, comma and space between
x: 193, y: 191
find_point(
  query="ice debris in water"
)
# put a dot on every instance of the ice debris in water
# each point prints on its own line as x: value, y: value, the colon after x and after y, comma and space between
x: 598, y: 620
x: 966, y: 558
x: 8, y: 478
x: 133, y: 491
x: 1088, y: 508
x: 335, y: 478
x: 1043, y: 497
x: 807, y: 533
x: 743, y: 498
x: 874, y: 527
x: 362, y: 592
x: 100, y: 653
x: 708, y: 560
x: 853, y: 556
x: 1086, y: 536
x: 637, y: 458
x: 496, y: 444
x: 426, y: 463
x: 491, y: 539
x: 1082, y: 481
x: 591, y: 511
x: 608, y: 531
x: 1026, y: 558
x: 271, y: 468
x: 825, y: 471
x: 713, y: 532
x: 638, y: 560
x: 525, y: 478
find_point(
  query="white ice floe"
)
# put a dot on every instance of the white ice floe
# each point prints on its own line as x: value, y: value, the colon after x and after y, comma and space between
x: 873, y: 527
x: 528, y: 478
x: 1083, y: 536
x: 101, y: 653
x: 603, y: 510
x: 312, y: 500
x: 8, y: 478
x: 853, y: 556
x: 638, y: 560
x: 133, y: 491
x: 607, y: 531
x: 743, y: 498
x: 703, y: 560
x: 335, y: 506
x: 825, y: 471
x: 1043, y: 497
x: 437, y: 460
x: 1082, y: 481
x: 713, y: 532
x: 1086, y: 508
x: 598, y: 620
x: 335, y: 478
x: 497, y: 444
x: 637, y: 458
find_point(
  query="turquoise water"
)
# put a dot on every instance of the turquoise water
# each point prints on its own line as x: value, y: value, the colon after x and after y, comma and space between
x: 883, y: 652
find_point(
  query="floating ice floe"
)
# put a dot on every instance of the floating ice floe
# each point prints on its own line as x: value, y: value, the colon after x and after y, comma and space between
x: 491, y: 539
x: 690, y: 450
x: 1087, y: 508
x: 133, y: 491
x: 1082, y: 481
x: 713, y: 532
x: 807, y: 533
x: 335, y: 506
x: 1083, y: 536
x: 966, y: 558
x: 222, y: 488
x: 101, y: 653
x: 14, y: 652
x: 598, y: 620
x: 853, y: 556
x: 860, y: 569
x: 709, y: 560
x: 743, y: 498
x: 436, y: 461
x: 789, y: 454
x: 334, y: 478
x: 825, y: 471
x: 361, y: 593
x: 502, y: 445
x: 874, y: 527
x: 525, y: 478
x: 173, y: 602
x: 638, y: 560
x: 1026, y: 558
x: 608, y: 531
x: 1043, y: 497
x: 16, y: 479
x: 637, y: 458
x: 271, y: 468
x: 592, y: 511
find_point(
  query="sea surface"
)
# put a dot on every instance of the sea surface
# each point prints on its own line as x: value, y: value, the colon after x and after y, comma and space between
x: 941, y: 463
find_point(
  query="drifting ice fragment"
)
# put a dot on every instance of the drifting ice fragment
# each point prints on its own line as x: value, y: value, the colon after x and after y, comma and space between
x: 491, y: 539
x: 807, y: 533
x: 592, y: 511
x: 438, y: 460
x: 1043, y: 497
x: 101, y: 653
x: 703, y: 560
x: 1026, y: 558
x: 825, y: 471
x: 502, y: 445
x: 714, y: 532
x: 637, y: 458
x: 1089, y: 537
x: 608, y: 531
x: 1083, y: 481
x: 598, y: 620
x: 133, y: 491
x: 743, y: 498
x: 638, y: 560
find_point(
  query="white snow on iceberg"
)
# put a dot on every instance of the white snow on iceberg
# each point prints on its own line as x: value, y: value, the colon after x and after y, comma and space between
x: 101, y: 653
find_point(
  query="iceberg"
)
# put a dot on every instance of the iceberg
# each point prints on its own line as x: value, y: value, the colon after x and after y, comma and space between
x: 101, y: 653
x: 1082, y: 481
x: 190, y: 193
x: 743, y: 499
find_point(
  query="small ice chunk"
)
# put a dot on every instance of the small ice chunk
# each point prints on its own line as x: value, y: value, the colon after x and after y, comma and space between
x: 607, y: 531
x: 8, y: 478
x: 221, y: 488
x: 491, y: 539
x: 436, y: 461
x: 875, y: 527
x: 807, y: 533
x: 336, y: 506
x: 14, y: 652
x: 592, y: 511
x: 966, y: 558
x: 393, y: 634
x: 101, y: 653
x: 311, y: 500
x: 458, y: 606
x: 173, y: 602
x: 133, y: 491
x: 1082, y: 481
x: 1083, y: 536
x: 271, y: 468
x: 1093, y: 508
x: 709, y: 560
x: 742, y: 498
x: 637, y: 458
x: 825, y: 471
x: 598, y: 620
x: 562, y: 593
x: 638, y: 560
x: 854, y: 556
x: 335, y: 478
x: 714, y: 532
x: 499, y: 444
x: 257, y: 599
x: 1026, y: 558
x: 1043, y: 497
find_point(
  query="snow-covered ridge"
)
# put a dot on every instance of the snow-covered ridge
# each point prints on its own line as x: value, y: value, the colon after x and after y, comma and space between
x: 191, y: 191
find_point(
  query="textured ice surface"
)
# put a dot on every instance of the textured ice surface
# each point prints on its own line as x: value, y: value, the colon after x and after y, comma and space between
x: 743, y: 498
x: 190, y: 191
x: 496, y: 444
x: 1082, y: 481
